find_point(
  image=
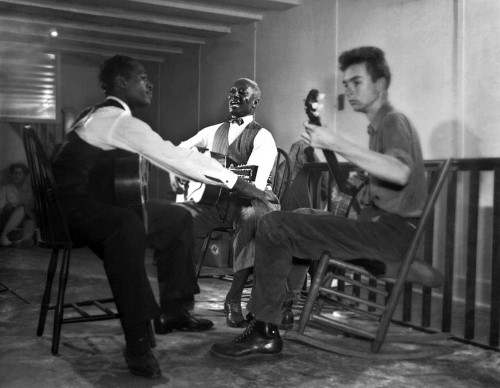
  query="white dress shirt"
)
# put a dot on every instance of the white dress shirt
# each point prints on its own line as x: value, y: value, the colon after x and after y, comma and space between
x: 111, y: 127
x: 264, y: 147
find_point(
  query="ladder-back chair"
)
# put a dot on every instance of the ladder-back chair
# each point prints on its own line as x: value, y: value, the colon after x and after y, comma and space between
x: 54, y: 235
x: 350, y: 288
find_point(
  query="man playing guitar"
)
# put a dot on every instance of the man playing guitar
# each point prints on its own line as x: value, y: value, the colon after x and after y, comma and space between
x: 245, y: 142
x: 83, y: 169
x: 396, y: 192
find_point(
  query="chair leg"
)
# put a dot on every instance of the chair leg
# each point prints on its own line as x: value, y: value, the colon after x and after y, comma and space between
x: 46, y: 293
x: 59, y: 310
x: 327, y: 280
x: 151, y: 335
x: 313, y: 292
x: 203, y: 253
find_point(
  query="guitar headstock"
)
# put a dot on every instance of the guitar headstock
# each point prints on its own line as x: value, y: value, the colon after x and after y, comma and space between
x: 314, y: 104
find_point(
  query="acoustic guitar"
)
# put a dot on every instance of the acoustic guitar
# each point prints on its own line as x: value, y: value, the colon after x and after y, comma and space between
x: 344, y: 194
x: 209, y: 194
x: 131, y: 174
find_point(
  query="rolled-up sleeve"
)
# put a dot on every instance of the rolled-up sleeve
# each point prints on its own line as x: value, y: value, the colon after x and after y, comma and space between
x: 134, y: 135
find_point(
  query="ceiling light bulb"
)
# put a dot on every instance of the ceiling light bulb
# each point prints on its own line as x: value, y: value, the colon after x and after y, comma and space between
x: 53, y: 33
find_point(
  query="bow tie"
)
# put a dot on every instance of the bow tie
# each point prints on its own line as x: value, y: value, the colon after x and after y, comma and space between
x: 237, y: 120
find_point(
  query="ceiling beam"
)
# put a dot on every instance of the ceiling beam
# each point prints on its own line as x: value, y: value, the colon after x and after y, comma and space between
x: 115, y: 43
x: 275, y: 5
x: 103, y: 43
x: 76, y: 25
x: 203, y: 8
x: 61, y: 48
x: 122, y: 15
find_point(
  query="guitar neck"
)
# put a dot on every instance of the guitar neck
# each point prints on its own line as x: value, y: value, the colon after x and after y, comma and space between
x: 336, y: 170
x: 246, y: 172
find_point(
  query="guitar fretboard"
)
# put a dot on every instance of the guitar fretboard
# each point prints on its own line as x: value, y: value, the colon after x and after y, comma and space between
x: 246, y: 172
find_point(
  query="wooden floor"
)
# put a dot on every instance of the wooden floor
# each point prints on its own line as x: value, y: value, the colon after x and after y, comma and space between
x: 91, y: 353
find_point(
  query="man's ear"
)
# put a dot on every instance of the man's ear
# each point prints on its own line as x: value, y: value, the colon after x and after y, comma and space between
x: 120, y: 82
x: 255, y: 102
x: 381, y: 84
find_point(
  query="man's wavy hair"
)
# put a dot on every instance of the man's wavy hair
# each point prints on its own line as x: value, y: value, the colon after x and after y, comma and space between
x: 373, y: 57
x: 112, y: 68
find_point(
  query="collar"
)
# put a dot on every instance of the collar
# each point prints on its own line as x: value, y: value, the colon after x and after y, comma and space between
x: 246, y: 120
x: 122, y: 103
x: 382, y: 112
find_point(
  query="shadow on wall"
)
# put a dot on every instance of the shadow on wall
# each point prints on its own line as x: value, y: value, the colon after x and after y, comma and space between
x: 448, y: 141
x: 11, y: 150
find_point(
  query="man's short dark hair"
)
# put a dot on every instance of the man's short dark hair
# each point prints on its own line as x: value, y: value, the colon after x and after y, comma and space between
x: 14, y: 166
x: 373, y: 57
x: 113, y: 67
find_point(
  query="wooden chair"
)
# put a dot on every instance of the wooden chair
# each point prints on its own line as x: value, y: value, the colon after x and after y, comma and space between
x: 54, y: 235
x: 350, y: 288
x: 280, y: 181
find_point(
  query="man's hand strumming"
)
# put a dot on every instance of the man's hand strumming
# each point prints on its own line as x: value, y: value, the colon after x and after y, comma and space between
x: 248, y: 190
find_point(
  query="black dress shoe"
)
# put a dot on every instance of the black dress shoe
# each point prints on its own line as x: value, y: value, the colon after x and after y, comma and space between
x: 286, y: 316
x: 183, y: 321
x: 234, y: 316
x: 140, y: 359
x: 258, y: 339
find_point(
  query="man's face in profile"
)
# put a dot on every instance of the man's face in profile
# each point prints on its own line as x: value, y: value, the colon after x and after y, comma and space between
x: 361, y: 91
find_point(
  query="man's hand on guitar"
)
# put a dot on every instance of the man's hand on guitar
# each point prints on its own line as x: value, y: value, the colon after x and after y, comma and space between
x: 248, y: 190
x: 177, y: 184
x: 319, y: 137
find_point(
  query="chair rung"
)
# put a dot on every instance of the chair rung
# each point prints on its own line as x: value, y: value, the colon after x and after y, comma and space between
x: 356, y: 310
x: 80, y: 311
x: 351, y: 298
x: 90, y: 318
x: 362, y: 285
x: 352, y: 267
x: 103, y: 308
x: 345, y: 327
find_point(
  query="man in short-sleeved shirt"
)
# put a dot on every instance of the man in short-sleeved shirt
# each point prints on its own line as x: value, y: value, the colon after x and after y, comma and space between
x: 393, y: 200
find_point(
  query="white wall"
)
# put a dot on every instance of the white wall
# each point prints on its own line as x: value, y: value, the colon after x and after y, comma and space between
x: 480, y: 58
x: 295, y: 53
x: 417, y: 37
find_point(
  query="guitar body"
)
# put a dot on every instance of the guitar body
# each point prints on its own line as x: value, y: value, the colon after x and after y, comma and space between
x: 131, y: 174
x: 343, y: 197
x: 209, y: 194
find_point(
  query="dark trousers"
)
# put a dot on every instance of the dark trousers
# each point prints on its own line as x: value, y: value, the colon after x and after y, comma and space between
x: 306, y: 233
x: 118, y: 237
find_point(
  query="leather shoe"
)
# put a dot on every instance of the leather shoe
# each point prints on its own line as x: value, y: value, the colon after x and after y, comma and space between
x: 234, y: 316
x: 258, y: 339
x: 140, y: 359
x: 183, y: 321
x: 286, y: 316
